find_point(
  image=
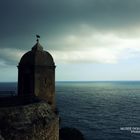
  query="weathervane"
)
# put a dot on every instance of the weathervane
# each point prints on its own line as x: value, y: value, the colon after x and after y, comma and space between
x: 37, y: 36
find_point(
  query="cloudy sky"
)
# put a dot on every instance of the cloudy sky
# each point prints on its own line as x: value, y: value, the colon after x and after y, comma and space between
x: 89, y: 39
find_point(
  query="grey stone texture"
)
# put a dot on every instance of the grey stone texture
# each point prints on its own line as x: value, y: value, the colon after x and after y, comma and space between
x: 34, y: 121
x: 36, y: 75
x: 30, y: 115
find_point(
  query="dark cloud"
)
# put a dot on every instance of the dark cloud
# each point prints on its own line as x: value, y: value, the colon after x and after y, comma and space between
x: 20, y: 15
x: 21, y: 20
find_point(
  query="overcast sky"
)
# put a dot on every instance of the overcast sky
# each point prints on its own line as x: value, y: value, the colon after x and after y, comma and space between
x: 89, y: 39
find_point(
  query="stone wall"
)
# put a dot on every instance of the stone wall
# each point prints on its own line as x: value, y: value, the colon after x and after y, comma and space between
x: 29, y: 122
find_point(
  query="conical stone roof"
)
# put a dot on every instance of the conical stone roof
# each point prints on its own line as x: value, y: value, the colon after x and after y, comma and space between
x: 37, y: 56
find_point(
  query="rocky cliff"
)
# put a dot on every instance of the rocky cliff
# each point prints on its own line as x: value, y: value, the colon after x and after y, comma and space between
x: 35, y: 121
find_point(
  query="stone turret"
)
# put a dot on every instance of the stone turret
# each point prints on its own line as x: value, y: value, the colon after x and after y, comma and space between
x: 36, y: 75
x: 30, y: 114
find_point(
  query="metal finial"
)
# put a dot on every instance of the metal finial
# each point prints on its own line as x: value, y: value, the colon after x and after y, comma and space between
x: 37, y: 36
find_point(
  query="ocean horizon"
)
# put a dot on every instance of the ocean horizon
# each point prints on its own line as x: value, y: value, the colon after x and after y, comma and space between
x: 101, y: 110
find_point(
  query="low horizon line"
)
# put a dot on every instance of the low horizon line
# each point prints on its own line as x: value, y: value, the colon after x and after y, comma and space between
x: 82, y: 81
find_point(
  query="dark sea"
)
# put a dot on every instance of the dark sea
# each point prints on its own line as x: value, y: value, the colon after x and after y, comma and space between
x: 100, y: 110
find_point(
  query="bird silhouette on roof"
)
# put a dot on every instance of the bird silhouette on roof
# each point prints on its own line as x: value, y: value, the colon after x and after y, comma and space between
x: 38, y: 36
